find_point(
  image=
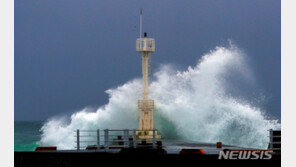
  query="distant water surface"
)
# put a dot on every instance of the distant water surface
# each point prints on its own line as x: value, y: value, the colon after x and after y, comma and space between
x: 26, y: 135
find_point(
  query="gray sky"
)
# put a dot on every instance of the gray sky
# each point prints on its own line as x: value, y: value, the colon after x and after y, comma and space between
x: 67, y: 53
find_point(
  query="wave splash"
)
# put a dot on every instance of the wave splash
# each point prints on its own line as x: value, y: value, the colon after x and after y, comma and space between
x: 191, y: 105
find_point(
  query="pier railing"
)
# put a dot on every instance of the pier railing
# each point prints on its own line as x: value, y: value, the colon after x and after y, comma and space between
x: 108, y: 139
x: 274, y: 140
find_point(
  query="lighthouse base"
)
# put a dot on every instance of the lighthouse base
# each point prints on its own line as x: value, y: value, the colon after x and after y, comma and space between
x: 147, y: 135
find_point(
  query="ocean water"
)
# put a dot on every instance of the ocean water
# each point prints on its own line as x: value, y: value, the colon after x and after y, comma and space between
x: 26, y: 135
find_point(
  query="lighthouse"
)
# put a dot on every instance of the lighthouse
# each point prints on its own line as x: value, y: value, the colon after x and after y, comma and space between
x: 145, y: 46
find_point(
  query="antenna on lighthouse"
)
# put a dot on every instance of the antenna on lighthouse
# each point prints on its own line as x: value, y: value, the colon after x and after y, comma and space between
x: 141, y: 10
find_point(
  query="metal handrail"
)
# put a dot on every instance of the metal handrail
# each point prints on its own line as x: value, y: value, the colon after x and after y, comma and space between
x: 104, y: 138
x: 271, y: 142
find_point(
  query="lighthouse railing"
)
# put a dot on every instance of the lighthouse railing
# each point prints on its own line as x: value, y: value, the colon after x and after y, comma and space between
x: 145, y: 44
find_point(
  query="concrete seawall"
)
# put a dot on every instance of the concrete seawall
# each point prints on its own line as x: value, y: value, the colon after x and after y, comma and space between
x: 69, y: 159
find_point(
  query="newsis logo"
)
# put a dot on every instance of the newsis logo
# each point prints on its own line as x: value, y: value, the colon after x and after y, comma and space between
x: 245, y: 154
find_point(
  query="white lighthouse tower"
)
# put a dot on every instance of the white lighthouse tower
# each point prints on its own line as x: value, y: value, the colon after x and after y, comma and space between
x: 145, y: 46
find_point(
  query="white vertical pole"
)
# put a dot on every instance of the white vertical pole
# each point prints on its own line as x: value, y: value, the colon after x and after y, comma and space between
x: 78, y: 141
x: 125, y: 137
x: 140, y: 23
x: 106, y: 139
x: 98, y: 138
x: 145, y: 75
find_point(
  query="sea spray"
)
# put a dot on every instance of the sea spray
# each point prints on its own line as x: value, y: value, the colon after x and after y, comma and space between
x: 190, y: 105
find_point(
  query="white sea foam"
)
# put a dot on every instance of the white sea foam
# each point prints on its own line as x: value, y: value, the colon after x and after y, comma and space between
x: 189, y: 105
